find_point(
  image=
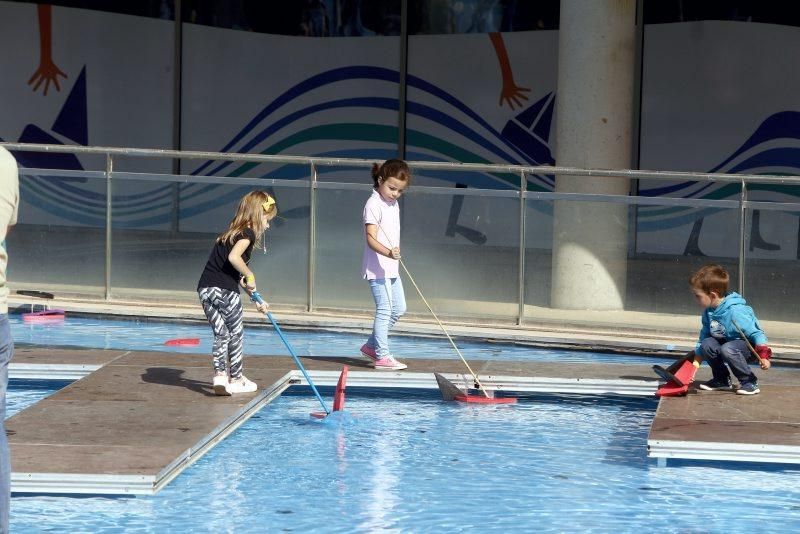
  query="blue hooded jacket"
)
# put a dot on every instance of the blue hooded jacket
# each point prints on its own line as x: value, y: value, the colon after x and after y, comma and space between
x: 718, y: 322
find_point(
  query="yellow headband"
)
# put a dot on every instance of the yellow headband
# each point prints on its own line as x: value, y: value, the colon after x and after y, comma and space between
x: 268, y: 203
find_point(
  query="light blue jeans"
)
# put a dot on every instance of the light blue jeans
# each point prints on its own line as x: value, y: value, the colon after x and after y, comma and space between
x: 6, y: 351
x: 390, y: 305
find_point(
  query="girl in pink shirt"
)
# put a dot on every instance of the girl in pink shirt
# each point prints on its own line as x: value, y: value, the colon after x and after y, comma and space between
x: 380, y: 266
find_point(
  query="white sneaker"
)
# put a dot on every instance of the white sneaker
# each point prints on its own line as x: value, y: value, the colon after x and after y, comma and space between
x: 221, y: 385
x: 241, y: 385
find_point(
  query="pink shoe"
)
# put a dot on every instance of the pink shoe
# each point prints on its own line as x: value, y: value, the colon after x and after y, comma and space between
x: 389, y: 363
x: 369, y: 352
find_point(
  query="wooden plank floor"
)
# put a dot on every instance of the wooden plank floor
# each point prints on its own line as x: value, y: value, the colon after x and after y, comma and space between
x: 720, y: 425
x: 128, y: 427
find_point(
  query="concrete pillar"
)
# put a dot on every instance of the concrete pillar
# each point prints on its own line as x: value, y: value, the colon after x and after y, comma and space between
x: 594, y: 112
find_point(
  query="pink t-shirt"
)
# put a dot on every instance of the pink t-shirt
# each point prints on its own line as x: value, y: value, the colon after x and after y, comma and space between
x: 386, y: 216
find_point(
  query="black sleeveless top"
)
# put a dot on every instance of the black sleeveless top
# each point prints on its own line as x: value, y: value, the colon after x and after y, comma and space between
x: 218, y: 271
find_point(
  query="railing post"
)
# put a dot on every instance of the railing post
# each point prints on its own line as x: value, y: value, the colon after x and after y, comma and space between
x: 742, y: 236
x: 109, y: 170
x: 312, y: 235
x: 402, y: 80
x: 521, y: 295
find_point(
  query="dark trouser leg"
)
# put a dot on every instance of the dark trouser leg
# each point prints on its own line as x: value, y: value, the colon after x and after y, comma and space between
x: 735, y: 353
x: 712, y: 353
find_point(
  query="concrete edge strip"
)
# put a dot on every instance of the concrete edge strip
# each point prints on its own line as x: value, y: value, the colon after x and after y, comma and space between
x: 81, y: 483
x: 37, y: 371
x: 720, y: 451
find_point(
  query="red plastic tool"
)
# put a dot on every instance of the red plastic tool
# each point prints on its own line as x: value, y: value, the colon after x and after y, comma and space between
x: 182, y: 341
x: 338, y: 396
x: 44, y: 316
x: 678, y: 376
x: 451, y: 392
x: 480, y: 399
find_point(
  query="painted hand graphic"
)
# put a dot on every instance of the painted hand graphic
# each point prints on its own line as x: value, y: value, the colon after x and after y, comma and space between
x: 511, y: 92
x: 47, y: 72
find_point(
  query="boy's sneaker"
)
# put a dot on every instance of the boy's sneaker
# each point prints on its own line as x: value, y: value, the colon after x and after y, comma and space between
x: 748, y: 388
x: 389, y: 363
x: 369, y: 352
x: 716, y: 385
x: 221, y: 385
x: 241, y: 385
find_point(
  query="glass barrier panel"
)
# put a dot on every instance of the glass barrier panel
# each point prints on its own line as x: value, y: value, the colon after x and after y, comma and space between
x: 460, y: 250
x: 340, y: 248
x: 351, y: 174
x: 538, y: 255
x: 161, y: 242
x: 463, y: 252
x: 656, y: 265
x: 668, y: 245
x: 58, y: 243
x: 772, y: 250
x: 462, y: 179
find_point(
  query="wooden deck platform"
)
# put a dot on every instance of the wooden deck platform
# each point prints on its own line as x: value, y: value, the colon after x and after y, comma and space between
x: 720, y: 425
x: 135, y: 420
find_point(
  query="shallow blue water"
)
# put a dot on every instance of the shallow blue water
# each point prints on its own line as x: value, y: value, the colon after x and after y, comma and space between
x: 23, y: 393
x: 146, y: 335
x: 411, y: 463
x: 408, y: 462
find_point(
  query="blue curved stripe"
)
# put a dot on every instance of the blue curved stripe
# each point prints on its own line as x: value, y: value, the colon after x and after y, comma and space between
x: 231, y: 196
x: 290, y: 171
x: 789, y: 157
x: 57, y: 184
x: 414, y: 108
x: 318, y: 80
x: 781, y: 125
x: 665, y: 190
x: 350, y: 73
x: 55, y: 208
x: 83, y: 199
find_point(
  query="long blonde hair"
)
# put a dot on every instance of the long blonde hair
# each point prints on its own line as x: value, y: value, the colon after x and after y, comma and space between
x: 248, y: 215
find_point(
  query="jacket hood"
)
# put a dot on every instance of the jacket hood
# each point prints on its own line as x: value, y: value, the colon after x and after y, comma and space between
x: 731, y: 299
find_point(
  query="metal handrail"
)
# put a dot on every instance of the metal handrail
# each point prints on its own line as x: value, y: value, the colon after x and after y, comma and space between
x: 517, y: 191
x: 428, y: 165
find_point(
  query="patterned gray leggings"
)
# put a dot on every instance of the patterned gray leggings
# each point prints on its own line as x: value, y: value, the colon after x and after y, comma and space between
x: 223, y: 309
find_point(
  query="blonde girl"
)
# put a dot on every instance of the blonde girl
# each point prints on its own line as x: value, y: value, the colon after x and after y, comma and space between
x: 225, y: 271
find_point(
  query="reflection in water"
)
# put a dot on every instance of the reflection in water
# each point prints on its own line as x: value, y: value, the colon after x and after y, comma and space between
x: 383, y: 493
